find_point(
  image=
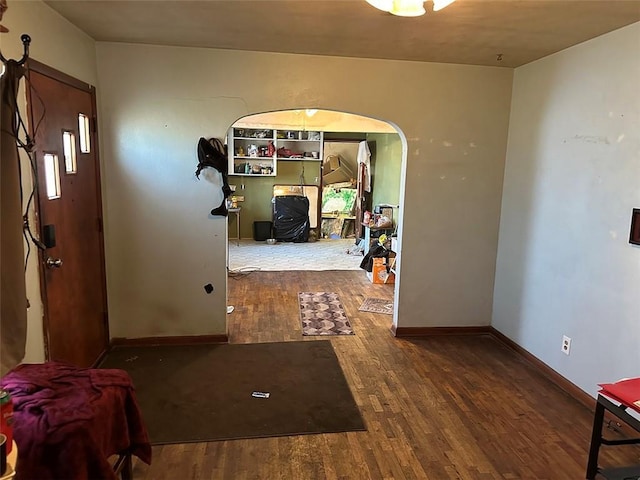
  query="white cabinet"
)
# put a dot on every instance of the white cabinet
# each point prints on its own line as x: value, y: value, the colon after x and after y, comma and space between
x: 256, y: 152
x: 252, y: 152
x: 298, y: 145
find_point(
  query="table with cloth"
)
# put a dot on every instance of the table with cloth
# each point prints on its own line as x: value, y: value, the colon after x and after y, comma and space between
x: 68, y: 421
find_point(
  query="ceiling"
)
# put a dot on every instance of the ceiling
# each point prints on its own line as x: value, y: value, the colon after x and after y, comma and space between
x: 468, y: 31
x: 320, y: 120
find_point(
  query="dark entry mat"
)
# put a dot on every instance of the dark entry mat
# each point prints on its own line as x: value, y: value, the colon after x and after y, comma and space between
x: 202, y: 393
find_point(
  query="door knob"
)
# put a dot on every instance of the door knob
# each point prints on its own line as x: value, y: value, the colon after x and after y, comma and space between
x: 53, y: 262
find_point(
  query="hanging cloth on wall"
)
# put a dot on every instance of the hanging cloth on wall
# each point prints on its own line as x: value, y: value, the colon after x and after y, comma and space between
x: 211, y: 154
x: 364, y: 158
x: 13, y: 308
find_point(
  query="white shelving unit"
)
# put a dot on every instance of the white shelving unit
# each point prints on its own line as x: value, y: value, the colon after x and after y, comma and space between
x: 249, y: 152
x: 305, y: 145
x: 256, y: 152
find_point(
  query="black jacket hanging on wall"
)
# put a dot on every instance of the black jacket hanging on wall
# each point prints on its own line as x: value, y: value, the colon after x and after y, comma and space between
x: 211, y: 153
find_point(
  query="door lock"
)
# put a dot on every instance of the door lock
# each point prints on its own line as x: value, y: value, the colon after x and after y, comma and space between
x: 53, y: 262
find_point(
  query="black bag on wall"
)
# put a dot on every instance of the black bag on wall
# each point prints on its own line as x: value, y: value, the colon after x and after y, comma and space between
x: 212, y: 153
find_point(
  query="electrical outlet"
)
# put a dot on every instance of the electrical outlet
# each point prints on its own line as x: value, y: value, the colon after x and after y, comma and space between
x: 566, y: 345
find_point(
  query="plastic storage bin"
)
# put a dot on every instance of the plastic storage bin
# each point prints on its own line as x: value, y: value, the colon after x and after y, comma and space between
x: 262, y: 230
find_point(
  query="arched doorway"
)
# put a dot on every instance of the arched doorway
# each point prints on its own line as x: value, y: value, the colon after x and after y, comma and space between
x: 314, y: 150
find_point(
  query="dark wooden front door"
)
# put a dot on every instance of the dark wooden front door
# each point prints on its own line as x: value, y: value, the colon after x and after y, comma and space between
x: 70, y: 215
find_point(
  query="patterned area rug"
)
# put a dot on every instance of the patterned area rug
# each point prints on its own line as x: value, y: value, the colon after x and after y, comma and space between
x: 322, y: 314
x: 377, y: 305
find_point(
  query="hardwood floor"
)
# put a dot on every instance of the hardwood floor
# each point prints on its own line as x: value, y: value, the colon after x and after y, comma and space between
x: 436, y: 408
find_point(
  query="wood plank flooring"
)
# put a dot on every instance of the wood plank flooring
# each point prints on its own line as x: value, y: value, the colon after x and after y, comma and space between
x: 436, y: 408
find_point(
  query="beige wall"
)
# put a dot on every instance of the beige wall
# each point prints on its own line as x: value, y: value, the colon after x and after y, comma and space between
x: 565, y: 266
x: 54, y: 40
x: 162, y: 247
x: 57, y: 43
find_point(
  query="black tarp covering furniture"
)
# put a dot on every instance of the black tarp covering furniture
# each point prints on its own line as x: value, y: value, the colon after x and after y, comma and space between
x: 291, y: 218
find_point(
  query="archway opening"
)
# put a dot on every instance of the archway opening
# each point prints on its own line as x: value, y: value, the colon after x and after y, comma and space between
x: 350, y: 169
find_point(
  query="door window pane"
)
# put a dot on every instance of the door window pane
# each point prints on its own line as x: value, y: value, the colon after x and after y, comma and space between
x: 69, y: 147
x: 52, y: 175
x: 83, y: 129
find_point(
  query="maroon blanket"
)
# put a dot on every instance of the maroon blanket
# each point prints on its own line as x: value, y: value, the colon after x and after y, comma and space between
x: 69, y: 420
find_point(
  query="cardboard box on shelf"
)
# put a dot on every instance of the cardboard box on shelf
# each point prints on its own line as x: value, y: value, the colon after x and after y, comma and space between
x: 379, y: 274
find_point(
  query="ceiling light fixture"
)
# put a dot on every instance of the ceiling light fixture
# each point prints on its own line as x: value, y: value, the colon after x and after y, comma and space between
x: 407, y: 8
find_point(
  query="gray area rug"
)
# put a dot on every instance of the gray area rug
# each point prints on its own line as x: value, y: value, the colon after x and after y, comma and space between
x: 377, y: 305
x: 322, y: 313
x: 322, y: 255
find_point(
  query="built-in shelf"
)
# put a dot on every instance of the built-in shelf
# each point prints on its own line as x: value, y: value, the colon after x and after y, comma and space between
x: 247, y: 148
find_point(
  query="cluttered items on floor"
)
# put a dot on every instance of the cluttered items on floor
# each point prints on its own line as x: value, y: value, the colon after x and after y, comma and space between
x: 381, y: 272
x: 378, y: 261
x: 379, y: 235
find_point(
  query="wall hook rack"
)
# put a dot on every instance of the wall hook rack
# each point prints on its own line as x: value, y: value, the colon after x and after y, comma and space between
x: 26, y: 41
